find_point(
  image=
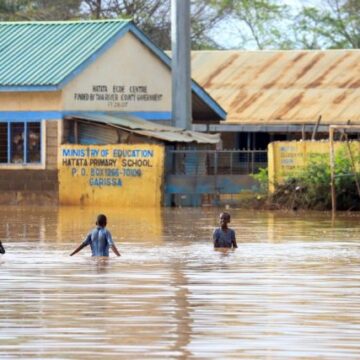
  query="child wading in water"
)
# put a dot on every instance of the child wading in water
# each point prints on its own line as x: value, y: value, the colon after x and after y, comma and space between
x: 99, y: 239
x: 2, y: 250
x: 223, y: 236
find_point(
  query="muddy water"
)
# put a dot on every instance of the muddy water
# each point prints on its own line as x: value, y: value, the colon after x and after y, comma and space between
x: 290, y: 291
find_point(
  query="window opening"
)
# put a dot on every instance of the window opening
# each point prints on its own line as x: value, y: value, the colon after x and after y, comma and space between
x: 33, y: 143
x: 3, y: 143
x: 17, y: 142
x: 20, y: 142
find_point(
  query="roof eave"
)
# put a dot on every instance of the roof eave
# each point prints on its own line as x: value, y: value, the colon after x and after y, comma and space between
x: 29, y: 88
x: 160, y: 132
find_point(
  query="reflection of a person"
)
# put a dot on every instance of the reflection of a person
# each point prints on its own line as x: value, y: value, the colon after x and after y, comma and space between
x: 225, y: 252
x: 182, y: 312
x: 102, y: 264
x: 18, y: 148
x: 34, y: 146
x: 2, y: 250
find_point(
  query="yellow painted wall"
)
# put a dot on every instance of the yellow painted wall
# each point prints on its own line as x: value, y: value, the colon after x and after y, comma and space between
x: 127, y: 77
x: 31, y: 101
x: 116, y: 175
x: 287, y: 157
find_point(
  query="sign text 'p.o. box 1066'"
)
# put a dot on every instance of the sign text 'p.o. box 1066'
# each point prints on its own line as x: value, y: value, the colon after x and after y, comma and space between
x: 117, y: 175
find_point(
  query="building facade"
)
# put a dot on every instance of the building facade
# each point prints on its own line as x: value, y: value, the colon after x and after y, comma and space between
x: 51, y: 72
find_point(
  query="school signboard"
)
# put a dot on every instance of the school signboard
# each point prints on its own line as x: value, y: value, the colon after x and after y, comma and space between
x: 115, y: 175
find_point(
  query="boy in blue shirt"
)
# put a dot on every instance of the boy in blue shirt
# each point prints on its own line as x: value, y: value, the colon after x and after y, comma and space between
x: 223, y: 236
x: 99, y: 239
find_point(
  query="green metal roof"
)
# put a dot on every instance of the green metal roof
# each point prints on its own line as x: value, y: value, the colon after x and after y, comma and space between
x: 45, y: 56
x: 45, y: 53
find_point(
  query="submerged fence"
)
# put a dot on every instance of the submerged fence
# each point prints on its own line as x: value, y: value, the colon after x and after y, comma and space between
x: 198, y: 177
x: 213, y: 162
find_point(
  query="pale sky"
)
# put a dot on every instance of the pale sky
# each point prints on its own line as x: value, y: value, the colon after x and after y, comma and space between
x: 226, y: 35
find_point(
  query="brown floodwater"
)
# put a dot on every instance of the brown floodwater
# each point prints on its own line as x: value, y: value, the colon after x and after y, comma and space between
x: 290, y: 291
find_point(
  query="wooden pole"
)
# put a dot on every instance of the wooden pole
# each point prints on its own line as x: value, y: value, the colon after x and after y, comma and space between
x: 332, y: 169
x: 303, y: 136
x: 316, y: 128
x: 353, y: 165
x: 343, y: 134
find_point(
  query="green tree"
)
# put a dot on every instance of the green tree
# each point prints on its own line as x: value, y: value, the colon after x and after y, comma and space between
x: 271, y: 24
x: 8, y: 10
x: 262, y: 23
x: 153, y: 17
x: 335, y: 24
x: 19, y: 10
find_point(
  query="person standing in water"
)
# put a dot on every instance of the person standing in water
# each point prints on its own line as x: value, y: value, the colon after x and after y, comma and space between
x: 2, y: 250
x: 99, y: 239
x: 224, y: 237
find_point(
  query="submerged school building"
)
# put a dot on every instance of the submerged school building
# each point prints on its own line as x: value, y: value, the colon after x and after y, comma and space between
x: 85, y: 114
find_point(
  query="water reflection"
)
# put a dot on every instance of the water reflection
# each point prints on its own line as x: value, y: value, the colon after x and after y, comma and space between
x: 138, y: 224
x: 290, y: 291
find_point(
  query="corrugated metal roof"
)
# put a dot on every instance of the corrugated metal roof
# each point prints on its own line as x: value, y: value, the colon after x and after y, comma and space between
x: 44, y: 53
x: 43, y: 56
x: 95, y: 134
x: 150, y: 129
x: 282, y: 87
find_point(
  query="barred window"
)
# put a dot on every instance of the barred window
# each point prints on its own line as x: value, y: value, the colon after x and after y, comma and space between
x: 3, y: 142
x: 20, y: 143
x: 34, y: 143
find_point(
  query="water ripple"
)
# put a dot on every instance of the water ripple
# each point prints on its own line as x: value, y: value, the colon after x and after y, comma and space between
x: 290, y: 291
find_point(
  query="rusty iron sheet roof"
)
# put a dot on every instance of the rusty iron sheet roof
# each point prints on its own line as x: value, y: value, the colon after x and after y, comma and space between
x: 282, y: 87
x: 149, y: 129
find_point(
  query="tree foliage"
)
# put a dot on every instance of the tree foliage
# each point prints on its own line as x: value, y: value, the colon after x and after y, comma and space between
x: 27, y: 10
x: 336, y: 24
x: 267, y: 24
x: 152, y: 16
x: 256, y: 22
x: 262, y: 24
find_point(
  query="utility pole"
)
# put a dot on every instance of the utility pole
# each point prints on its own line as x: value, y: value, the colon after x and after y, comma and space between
x: 180, y: 64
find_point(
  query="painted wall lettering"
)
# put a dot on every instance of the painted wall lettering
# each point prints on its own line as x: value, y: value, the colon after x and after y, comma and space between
x: 117, y: 95
x: 112, y: 172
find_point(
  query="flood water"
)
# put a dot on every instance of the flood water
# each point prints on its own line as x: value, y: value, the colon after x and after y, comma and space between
x: 290, y: 291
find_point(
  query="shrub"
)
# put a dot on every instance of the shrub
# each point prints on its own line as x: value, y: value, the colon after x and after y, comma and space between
x: 263, y: 178
x: 309, y: 188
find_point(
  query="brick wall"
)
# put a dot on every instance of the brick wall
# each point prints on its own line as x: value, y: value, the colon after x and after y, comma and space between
x: 51, y: 144
x: 33, y: 187
x: 28, y: 180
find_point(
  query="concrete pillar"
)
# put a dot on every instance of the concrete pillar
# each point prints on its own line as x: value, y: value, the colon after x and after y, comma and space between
x: 181, y: 70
